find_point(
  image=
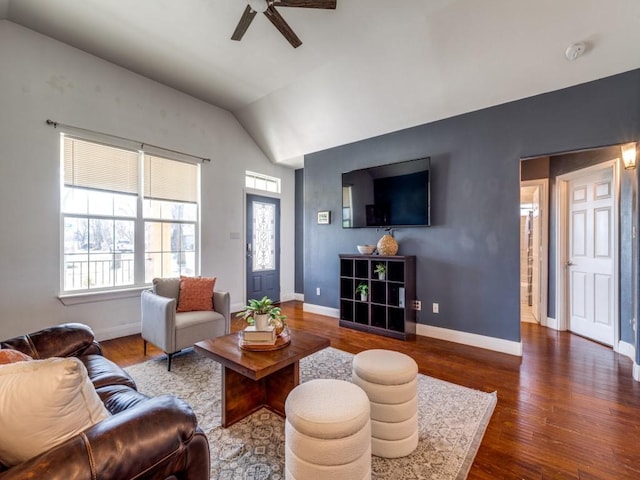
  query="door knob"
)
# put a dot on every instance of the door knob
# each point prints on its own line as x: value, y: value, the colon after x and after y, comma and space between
x: 568, y: 263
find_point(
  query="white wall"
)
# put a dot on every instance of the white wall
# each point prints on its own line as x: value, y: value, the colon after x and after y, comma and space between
x: 41, y: 79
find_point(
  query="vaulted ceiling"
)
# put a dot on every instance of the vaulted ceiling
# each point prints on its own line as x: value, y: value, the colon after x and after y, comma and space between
x: 366, y: 68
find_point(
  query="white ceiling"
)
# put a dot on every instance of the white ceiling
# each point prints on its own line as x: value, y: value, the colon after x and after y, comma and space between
x: 367, y: 68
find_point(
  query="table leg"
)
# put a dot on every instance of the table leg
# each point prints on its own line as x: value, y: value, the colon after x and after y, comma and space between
x: 278, y: 386
x: 242, y: 396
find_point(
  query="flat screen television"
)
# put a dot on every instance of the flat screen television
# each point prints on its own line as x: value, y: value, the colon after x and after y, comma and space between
x: 393, y: 195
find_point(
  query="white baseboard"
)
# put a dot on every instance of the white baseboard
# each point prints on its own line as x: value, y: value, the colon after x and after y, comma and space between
x: 472, y: 339
x: 552, y: 323
x: 626, y: 349
x: 117, y: 331
x: 320, y: 310
x: 236, y: 307
x: 287, y: 297
x: 284, y: 297
x: 299, y: 297
x: 133, y: 328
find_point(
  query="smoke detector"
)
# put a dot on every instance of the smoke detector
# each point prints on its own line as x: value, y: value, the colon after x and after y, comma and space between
x: 574, y: 50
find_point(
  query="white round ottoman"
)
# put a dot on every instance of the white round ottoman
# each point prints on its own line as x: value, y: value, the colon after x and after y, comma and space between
x: 327, y: 432
x: 390, y: 381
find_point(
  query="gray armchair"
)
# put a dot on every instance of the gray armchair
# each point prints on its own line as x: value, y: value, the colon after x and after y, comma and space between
x: 173, y: 331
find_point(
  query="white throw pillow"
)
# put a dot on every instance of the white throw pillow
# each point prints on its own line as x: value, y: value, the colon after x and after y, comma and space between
x: 42, y: 404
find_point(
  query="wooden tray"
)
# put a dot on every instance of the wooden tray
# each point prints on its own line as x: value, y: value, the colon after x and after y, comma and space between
x: 282, y: 341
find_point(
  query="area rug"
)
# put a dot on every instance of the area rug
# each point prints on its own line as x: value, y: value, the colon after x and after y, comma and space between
x: 452, y: 420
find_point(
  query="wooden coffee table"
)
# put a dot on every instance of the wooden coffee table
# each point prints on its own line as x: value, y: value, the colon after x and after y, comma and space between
x: 252, y: 380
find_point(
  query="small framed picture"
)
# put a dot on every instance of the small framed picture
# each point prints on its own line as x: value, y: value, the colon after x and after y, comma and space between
x: 324, y: 217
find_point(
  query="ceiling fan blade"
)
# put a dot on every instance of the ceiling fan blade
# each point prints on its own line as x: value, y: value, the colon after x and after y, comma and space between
x: 243, y: 24
x: 326, y: 4
x: 284, y: 28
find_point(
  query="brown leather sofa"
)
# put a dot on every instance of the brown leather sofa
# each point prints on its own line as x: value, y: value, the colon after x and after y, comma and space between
x: 144, y: 438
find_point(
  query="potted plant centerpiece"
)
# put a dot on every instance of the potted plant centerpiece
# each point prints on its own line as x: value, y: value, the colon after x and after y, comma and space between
x: 263, y: 312
x: 257, y: 312
x: 363, y: 290
x: 381, y: 270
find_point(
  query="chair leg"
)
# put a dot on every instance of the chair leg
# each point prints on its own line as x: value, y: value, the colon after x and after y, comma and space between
x: 169, y: 356
x: 144, y: 347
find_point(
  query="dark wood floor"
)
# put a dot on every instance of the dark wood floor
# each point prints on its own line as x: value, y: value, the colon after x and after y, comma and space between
x: 568, y: 409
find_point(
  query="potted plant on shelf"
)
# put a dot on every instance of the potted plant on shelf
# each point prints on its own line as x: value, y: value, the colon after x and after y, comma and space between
x: 261, y: 313
x: 381, y: 270
x: 363, y: 290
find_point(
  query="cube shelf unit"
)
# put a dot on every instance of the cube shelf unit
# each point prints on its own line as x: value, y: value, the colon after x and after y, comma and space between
x: 388, y: 309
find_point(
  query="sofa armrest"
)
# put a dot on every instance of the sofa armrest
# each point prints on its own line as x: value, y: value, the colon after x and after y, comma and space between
x: 158, y: 320
x: 222, y: 305
x: 66, y: 340
x: 152, y: 440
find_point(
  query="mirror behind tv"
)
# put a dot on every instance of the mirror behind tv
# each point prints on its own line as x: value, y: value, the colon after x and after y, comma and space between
x: 393, y: 195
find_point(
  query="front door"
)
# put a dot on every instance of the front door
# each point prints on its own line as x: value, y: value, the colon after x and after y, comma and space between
x: 591, y: 255
x: 263, y: 247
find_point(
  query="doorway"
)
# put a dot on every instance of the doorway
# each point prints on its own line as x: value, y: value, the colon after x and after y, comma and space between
x: 263, y: 247
x: 590, y: 183
x: 533, y: 251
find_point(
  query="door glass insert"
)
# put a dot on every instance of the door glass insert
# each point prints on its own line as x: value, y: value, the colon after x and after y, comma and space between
x: 264, y: 236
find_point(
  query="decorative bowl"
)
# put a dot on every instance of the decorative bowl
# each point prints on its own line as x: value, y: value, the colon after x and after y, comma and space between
x: 366, y: 249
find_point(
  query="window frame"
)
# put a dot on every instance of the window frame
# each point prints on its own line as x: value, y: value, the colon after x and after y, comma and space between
x: 88, y: 294
x: 251, y: 179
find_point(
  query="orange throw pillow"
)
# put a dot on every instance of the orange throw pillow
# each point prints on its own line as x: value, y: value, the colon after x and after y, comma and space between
x: 196, y: 293
x: 12, y: 356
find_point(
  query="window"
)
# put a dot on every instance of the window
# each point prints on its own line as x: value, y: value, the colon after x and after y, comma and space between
x: 258, y: 181
x: 170, y: 214
x: 126, y: 216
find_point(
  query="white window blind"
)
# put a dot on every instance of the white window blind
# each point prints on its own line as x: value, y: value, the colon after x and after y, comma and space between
x: 170, y: 180
x: 100, y: 167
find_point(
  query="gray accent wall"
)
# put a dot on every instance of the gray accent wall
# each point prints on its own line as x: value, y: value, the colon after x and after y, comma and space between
x: 468, y: 260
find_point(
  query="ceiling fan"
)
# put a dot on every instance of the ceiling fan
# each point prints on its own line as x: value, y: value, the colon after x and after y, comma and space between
x: 268, y: 8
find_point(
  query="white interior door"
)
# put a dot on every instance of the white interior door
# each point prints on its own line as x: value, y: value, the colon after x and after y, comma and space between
x: 591, y: 255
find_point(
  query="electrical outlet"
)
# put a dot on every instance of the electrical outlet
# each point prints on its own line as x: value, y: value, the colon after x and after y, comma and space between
x: 436, y: 308
x: 318, y: 291
x: 417, y: 305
